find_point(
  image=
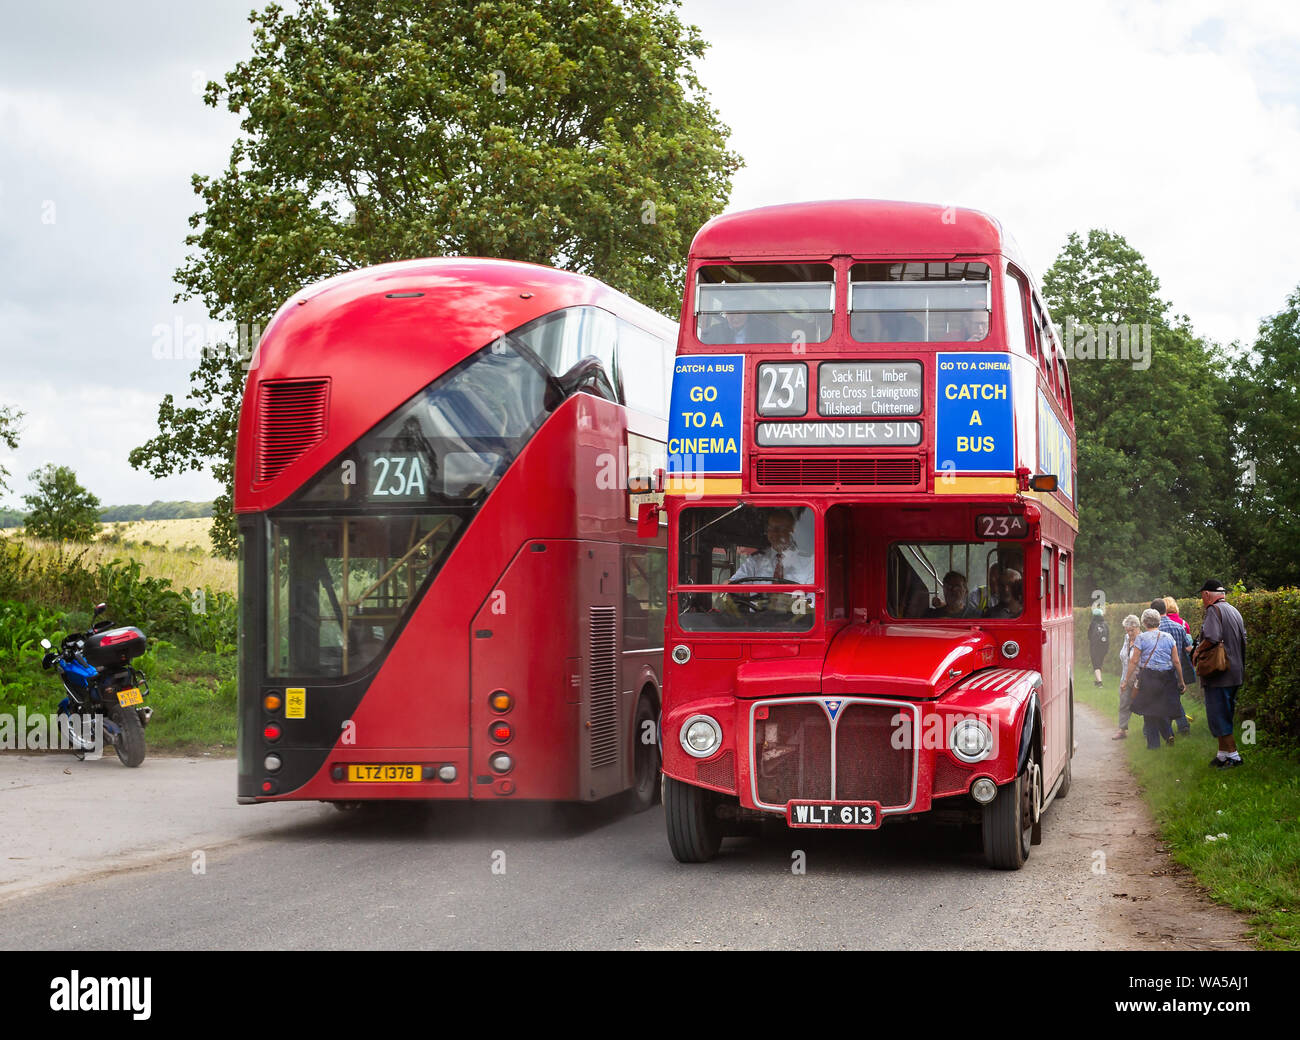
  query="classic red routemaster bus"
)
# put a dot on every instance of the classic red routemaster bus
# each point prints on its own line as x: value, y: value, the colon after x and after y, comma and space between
x: 871, y: 519
x: 442, y: 593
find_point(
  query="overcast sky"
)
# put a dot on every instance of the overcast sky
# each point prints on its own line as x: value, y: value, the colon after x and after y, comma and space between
x: 1174, y: 124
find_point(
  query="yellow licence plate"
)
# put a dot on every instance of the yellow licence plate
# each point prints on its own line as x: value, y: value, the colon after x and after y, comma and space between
x: 384, y: 774
x: 130, y: 698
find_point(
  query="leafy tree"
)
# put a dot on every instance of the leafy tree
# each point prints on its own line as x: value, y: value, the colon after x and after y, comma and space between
x: 9, y: 420
x: 60, y: 508
x: 1155, y: 452
x: 566, y: 132
x: 1266, y: 400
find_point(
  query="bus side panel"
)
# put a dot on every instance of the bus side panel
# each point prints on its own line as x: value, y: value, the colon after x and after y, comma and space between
x: 525, y: 641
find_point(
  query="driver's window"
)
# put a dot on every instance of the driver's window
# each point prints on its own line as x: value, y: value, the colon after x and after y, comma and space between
x: 749, y: 549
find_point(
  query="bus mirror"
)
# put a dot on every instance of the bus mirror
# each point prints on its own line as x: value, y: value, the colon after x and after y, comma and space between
x: 1043, y: 482
x: 647, y: 519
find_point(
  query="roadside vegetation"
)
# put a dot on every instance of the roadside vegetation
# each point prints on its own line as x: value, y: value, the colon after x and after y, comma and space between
x: 1238, y: 831
x: 181, y: 598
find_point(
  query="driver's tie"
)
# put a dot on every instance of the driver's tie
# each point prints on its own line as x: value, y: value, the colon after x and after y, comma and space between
x: 778, y: 572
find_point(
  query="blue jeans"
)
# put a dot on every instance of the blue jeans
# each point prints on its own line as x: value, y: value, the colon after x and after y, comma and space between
x: 1156, y: 728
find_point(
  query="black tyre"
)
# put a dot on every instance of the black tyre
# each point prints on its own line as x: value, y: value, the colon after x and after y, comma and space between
x: 645, y: 757
x: 1009, y: 823
x: 130, y: 738
x: 694, y: 830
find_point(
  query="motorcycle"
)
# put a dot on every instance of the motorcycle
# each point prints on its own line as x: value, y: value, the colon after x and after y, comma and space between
x: 105, y: 693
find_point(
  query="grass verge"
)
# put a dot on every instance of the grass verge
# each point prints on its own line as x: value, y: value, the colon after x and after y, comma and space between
x: 1237, y: 831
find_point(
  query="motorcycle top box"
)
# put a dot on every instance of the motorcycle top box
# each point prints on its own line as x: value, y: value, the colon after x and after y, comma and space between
x: 114, y: 647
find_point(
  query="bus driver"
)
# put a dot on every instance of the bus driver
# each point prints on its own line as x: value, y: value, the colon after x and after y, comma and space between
x: 782, y: 563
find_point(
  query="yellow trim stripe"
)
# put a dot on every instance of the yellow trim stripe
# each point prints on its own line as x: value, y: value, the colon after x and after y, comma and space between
x: 974, y: 485
x: 1045, y: 499
x: 685, y: 484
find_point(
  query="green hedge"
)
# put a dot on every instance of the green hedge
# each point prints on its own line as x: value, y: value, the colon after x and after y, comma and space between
x: 1271, y: 692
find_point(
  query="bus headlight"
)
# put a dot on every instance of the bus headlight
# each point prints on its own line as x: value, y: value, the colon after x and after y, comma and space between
x: 701, y: 736
x: 1010, y: 649
x: 971, y: 740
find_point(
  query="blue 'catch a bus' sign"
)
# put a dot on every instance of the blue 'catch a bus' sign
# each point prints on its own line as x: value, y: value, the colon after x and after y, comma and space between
x: 974, y: 427
x: 705, y: 417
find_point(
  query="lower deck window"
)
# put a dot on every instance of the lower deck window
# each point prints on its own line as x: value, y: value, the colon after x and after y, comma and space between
x: 340, y: 586
x: 956, y: 580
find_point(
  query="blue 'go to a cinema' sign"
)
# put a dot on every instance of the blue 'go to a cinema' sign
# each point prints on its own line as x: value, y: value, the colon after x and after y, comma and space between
x: 704, y: 421
x: 974, y: 429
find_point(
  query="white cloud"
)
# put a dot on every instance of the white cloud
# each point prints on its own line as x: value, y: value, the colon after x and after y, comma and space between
x: 1148, y: 119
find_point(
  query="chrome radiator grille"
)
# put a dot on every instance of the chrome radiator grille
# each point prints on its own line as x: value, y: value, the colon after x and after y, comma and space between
x: 792, y: 747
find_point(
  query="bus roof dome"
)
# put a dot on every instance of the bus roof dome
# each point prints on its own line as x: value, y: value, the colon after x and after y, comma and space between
x: 856, y: 227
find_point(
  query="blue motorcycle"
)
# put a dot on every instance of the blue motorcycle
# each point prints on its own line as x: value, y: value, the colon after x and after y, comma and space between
x: 105, y: 701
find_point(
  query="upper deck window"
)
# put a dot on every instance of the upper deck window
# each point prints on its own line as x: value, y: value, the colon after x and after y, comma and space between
x: 764, y: 303
x: 919, y: 301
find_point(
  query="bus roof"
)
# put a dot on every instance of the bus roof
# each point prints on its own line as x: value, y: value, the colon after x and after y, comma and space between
x: 852, y: 227
x: 381, y: 333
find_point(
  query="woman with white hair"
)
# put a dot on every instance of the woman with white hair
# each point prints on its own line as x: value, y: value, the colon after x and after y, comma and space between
x: 1131, y: 630
x: 1157, y: 680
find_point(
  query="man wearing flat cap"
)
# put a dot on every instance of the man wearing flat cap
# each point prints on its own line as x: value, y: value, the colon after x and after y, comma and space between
x: 1222, y: 624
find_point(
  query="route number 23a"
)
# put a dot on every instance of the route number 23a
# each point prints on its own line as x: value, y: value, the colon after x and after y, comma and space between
x: 782, y: 389
x: 397, y: 475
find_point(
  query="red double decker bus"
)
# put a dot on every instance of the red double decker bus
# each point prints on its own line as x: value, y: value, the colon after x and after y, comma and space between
x: 871, y: 519
x: 442, y: 593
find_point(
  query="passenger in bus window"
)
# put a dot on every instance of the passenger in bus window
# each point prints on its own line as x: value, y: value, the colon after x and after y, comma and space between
x: 978, y: 327
x: 955, y: 603
x: 985, y: 598
x: 782, y: 562
x: 742, y: 327
x: 1011, y: 596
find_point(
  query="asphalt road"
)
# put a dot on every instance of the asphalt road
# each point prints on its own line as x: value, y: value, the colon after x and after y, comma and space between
x: 524, y: 876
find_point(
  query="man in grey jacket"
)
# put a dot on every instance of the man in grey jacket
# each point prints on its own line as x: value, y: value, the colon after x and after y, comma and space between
x: 1223, y: 624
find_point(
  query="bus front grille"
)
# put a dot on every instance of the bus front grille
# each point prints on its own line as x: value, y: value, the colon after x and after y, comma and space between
x: 868, y: 767
x: 792, y: 752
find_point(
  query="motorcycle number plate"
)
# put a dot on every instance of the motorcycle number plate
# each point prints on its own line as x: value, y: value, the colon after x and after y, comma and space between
x: 130, y: 698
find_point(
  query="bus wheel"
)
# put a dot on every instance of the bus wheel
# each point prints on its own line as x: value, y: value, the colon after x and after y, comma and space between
x: 1009, y: 822
x: 694, y: 830
x: 645, y: 757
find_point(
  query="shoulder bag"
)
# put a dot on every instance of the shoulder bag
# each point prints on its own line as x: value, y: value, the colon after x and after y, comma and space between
x: 1210, y: 656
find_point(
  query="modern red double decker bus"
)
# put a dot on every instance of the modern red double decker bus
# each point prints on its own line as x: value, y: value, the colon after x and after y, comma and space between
x: 871, y: 445
x: 442, y: 593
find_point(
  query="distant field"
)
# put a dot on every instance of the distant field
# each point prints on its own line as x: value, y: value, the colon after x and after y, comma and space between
x: 175, y: 534
x: 177, y: 549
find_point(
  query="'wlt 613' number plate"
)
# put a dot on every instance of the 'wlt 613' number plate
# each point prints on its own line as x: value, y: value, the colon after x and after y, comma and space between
x: 863, y: 815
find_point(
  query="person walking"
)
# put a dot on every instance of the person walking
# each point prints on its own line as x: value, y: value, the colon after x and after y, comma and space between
x: 1125, y: 687
x: 1157, y: 679
x: 1098, y: 643
x: 1183, y: 642
x: 1223, y: 643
